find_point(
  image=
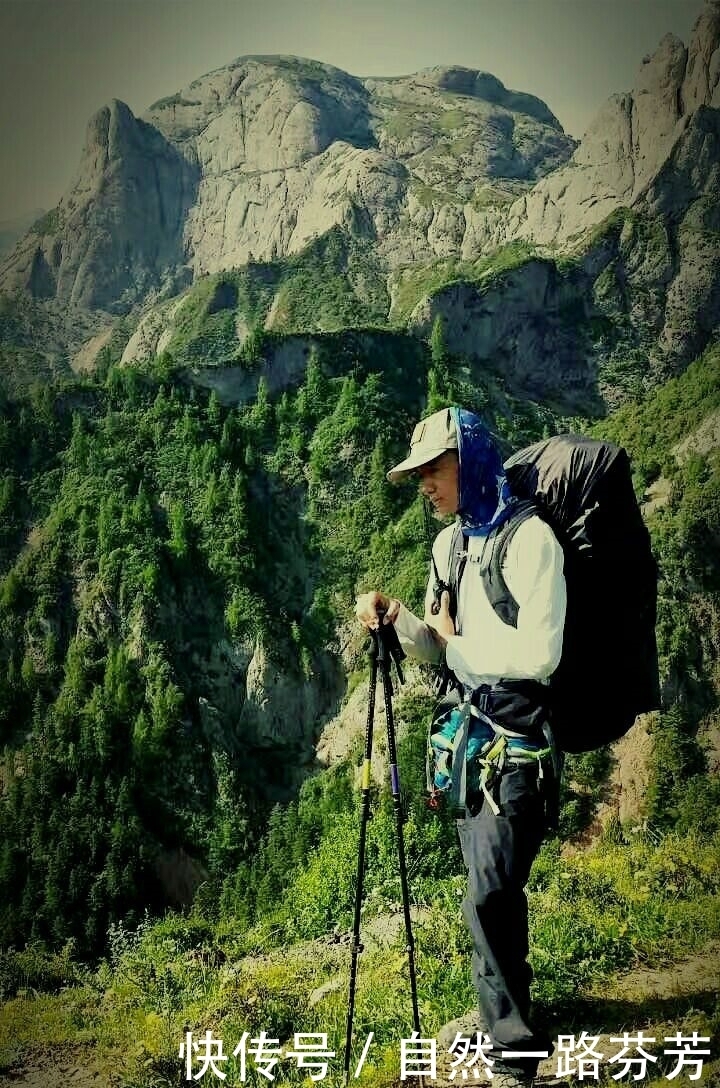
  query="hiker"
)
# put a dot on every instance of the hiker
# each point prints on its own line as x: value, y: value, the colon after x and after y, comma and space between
x: 496, y: 663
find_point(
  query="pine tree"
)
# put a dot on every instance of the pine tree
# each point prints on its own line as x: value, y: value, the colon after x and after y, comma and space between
x: 261, y: 414
x: 214, y: 411
x: 177, y: 523
x: 316, y: 389
x: 441, y: 392
x: 78, y: 454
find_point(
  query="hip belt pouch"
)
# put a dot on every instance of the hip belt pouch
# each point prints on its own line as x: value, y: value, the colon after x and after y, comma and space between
x: 520, y: 706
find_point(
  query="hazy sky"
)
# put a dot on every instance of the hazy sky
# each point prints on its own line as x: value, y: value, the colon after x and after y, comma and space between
x: 61, y: 60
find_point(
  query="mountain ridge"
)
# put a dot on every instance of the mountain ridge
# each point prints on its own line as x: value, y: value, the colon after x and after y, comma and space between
x: 257, y: 161
x: 256, y: 119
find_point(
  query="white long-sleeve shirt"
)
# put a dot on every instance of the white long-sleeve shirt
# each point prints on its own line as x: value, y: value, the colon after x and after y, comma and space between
x: 486, y: 649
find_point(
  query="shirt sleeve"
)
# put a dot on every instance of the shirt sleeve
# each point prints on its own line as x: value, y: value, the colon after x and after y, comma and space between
x: 416, y: 638
x: 533, y: 571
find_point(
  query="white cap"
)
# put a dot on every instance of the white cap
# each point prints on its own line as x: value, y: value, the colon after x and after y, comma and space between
x: 431, y: 438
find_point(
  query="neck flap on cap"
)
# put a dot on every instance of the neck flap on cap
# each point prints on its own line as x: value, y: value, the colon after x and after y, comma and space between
x: 485, y: 498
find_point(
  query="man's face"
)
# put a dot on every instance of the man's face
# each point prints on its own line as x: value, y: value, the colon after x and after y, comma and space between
x: 439, y: 482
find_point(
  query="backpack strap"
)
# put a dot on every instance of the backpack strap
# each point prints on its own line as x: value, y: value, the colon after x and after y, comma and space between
x: 492, y: 559
x: 446, y: 680
x: 456, y: 566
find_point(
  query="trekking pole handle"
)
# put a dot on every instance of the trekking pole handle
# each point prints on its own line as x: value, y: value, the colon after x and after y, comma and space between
x: 389, y: 648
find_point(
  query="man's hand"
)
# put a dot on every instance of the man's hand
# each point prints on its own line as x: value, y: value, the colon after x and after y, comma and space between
x: 369, y: 606
x: 442, y: 624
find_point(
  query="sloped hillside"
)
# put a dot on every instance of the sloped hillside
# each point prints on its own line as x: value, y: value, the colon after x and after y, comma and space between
x: 164, y: 590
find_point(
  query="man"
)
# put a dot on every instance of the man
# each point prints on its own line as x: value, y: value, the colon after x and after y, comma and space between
x: 497, y: 664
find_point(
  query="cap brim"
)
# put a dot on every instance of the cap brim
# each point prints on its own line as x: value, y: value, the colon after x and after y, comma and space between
x: 414, y: 462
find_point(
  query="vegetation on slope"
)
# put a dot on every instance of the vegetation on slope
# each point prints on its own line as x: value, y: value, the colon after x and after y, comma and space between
x: 334, y: 284
x: 142, y: 523
x: 415, y: 284
x: 686, y: 538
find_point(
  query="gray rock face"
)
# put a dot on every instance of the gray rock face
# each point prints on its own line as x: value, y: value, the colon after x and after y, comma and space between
x: 704, y: 438
x: 487, y: 88
x: 281, y: 709
x: 530, y: 327
x: 656, y: 283
x: 255, y: 160
x: 259, y: 158
x: 630, y: 141
x: 455, y: 127
x: 118, y: 231
x: 283, y: 368
x: 685, y: 195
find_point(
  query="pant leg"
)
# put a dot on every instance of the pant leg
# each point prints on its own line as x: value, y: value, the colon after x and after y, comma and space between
x: 498, y: 853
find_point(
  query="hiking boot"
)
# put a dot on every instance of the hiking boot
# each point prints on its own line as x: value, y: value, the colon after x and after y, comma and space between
x: 467, y: 1025
x: 505, y: 1076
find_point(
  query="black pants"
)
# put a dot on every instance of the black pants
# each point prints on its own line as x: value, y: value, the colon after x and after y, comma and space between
x: 498, y: 852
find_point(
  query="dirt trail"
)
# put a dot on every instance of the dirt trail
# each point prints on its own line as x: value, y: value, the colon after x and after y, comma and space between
x: 57, y: 1067
x: 639, y: 1000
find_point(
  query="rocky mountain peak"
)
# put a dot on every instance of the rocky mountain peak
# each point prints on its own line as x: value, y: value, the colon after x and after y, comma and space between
x: 487, y: 87
x: 110, y: 136
x: 652, y: 286
x: 702, y: 75
x: 630, y: 141
x: 109, y: 125
x: 117, y: 232
x: 256, y: 159
x: 258, y: 102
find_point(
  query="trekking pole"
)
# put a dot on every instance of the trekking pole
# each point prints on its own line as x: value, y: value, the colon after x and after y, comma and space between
x: 390, y: 650
x: 384, y: 649
x: 356, y: 947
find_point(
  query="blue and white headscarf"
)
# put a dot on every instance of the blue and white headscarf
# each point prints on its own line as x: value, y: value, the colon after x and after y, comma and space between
x: 485, y: 498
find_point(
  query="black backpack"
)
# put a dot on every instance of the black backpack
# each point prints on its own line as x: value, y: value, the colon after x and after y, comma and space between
x: 608, y: 672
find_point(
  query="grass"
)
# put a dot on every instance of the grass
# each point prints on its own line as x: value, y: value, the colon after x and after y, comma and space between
x: 461, y: 145
x: 615, y: 907
x: 630, y: 229
x: 202, y: 333
x: 485, y: 196
x: 594, y: 916
x: 427, y: 195
x: 49, y: 223
x: 403, y: 121
x: 452, y: 119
